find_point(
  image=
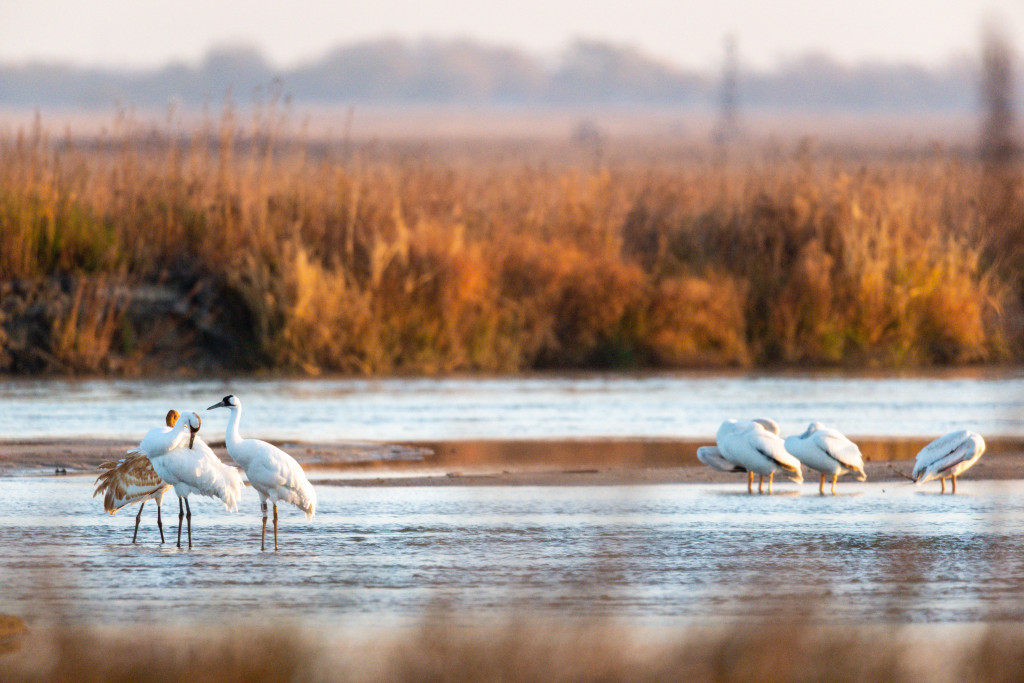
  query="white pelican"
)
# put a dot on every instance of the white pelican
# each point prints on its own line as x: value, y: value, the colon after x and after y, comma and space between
x: 132, y: 480
x: 828, y: 452
x: 274, y: 474
x: 948, y: 457
x: 755, y: 447
x: 195, y: 468
x: 715, y: 459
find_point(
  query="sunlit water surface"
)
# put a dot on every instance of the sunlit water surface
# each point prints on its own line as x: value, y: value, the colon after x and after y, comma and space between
x: 656, y: 554
x: 585, y: 406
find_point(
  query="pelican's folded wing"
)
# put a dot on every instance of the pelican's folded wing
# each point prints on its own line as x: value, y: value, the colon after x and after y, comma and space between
x: 712, y: 457
x: 937, y: 450
x: 843, y: 450
x: 965, y: 451
x: 773, y: 447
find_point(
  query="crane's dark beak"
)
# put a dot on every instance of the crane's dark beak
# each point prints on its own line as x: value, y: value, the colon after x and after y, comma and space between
x: 218, y: 405
x: 193, y: 430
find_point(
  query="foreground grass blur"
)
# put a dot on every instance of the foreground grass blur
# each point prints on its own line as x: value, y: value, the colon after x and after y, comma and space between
x: 140, y: 250
x: 795, y: 650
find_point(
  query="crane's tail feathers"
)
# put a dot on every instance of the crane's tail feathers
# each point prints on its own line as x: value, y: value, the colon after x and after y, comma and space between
x: 307, y: 500
x: 231, y: 488
x: 106, y: 471
x: 308, y: 503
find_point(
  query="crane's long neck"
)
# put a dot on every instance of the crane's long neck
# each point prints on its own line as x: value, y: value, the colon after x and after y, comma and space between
x: 175, y: 437
x: 231, y: 438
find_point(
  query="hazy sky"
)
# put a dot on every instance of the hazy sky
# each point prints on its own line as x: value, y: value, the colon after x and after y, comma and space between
x: 145, y: 33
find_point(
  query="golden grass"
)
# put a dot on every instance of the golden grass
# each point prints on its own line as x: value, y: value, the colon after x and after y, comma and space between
x: 380, y: 258
x: 787, y: 650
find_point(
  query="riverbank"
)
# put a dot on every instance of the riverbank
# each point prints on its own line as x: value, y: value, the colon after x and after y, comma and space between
x: 134, y: 255
x: 504, y: 462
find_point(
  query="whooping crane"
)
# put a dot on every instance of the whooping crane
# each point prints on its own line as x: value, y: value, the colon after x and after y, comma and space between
x: 195, y: 468
x: 132, y: 480
x: 274, y: 474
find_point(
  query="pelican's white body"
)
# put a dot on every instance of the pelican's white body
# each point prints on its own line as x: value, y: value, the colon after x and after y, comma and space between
x: 948, y: 456
x: 198, y: 470
x: 713, y: 458
x: 749, y: 444
x: 826, y: 451
x: 275, y: 475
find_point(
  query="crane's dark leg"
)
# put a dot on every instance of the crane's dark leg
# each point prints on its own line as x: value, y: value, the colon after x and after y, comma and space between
x: 181, y: 515
x: 160, y: 522
x: 275, y: 526
x: 263, y: 536
x: 188, y: 516
x: 138, y: 518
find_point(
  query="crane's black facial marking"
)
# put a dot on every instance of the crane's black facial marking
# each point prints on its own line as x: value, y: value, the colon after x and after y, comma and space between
x: 225, y: 402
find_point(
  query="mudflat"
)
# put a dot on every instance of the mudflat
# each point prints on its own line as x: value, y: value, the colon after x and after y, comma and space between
x: 503, y: 463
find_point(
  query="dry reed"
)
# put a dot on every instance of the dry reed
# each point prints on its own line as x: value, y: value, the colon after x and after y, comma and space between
x: 790, y: 650
x: 286, y: 254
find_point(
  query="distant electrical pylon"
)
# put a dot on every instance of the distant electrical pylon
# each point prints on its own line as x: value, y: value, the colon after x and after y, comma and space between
x: 727, y: 128
x: 998, y: 144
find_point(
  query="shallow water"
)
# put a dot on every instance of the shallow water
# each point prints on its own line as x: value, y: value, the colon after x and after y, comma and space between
x: 654, y: 554
x: 586, y: 406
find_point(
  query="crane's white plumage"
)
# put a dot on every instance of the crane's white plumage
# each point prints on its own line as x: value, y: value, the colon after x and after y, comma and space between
x: 948, y: 456
x: 132, y: 479
x: 275, y: 475
x: 828, y: 452
x: 752, y: 446
x: 193, y: 467
x: 199, y: 471
x: 163, y: 439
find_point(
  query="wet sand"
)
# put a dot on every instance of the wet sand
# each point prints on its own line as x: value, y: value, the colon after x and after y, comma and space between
x: 504, y: 463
